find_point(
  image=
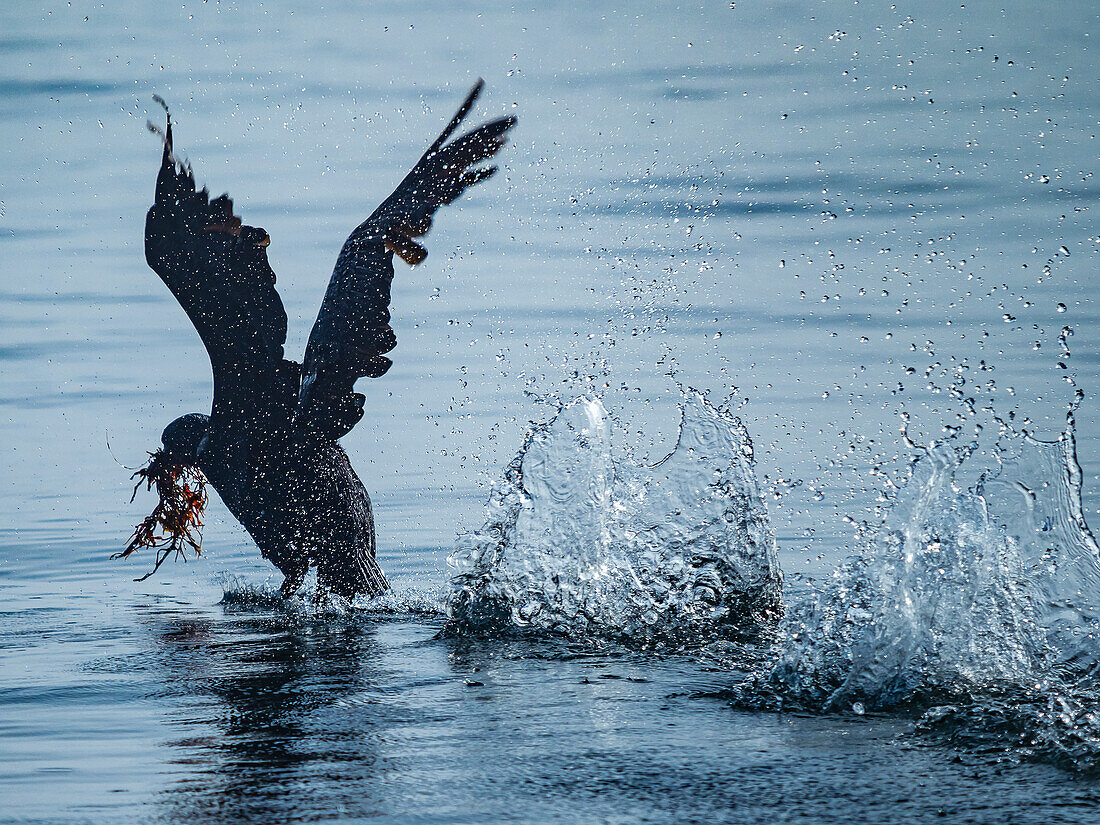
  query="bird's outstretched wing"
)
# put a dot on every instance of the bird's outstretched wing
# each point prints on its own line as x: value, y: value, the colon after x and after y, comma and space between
x: 352, y: 334
x: 218, y: 270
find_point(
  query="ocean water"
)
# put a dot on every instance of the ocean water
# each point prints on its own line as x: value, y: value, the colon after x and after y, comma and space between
x: 864, y: 232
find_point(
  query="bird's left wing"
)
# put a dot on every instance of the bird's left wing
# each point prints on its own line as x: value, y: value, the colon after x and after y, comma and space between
x: 217, y: 269
x: 352, y: 334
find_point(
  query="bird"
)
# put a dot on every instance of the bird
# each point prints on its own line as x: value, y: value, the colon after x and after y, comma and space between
x: 270, y: 444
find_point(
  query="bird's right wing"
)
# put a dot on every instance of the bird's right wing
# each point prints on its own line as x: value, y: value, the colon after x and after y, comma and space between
x: 352, y: 334
x: 217, y: 268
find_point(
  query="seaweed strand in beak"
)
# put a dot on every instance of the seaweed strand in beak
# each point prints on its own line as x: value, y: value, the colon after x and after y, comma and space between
x: 176, y: 522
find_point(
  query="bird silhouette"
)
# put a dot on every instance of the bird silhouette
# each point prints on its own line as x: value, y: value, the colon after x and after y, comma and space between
x: 270, y: 444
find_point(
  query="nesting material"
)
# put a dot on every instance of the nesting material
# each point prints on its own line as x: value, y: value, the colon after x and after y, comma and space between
x: 176, y: 523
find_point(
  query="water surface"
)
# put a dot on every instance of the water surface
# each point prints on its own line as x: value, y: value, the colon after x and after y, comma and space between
x: 837, y: 213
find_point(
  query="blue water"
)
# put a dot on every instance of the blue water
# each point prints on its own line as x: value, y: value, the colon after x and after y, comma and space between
x: 838, y: 213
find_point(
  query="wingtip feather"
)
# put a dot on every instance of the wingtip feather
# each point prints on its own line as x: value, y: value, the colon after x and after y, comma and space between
x: 459, y: 116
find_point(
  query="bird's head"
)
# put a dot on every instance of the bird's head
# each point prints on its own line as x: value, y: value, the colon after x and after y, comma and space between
x: 181, y: 438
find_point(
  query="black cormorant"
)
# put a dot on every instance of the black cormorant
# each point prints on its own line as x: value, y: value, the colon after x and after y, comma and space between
x: 269, y: 446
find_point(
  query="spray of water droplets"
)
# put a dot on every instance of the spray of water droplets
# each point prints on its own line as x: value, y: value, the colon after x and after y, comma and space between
x: 584, y: 540
x: 975, y: 603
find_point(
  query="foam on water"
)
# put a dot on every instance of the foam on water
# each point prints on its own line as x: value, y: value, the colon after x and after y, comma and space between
x: 243, y: 595
x: 583, y: 539
x: 976, y: 602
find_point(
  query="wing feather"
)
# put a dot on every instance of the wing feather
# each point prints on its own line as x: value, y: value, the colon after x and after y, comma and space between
x: 217, y: 269
x: 352, y: 333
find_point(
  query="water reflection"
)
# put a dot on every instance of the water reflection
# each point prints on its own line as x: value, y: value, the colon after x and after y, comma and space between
x: 270, y: 691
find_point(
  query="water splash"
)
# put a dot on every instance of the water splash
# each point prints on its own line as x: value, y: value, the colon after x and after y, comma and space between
x: 976, y: 602
x: 241, y: 595
x: 584, y: 541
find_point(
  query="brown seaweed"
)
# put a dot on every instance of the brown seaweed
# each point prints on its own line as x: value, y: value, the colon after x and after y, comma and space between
x: 176, y: 523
